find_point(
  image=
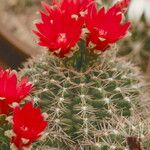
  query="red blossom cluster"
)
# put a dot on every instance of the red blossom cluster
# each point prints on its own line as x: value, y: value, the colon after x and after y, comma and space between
x: 62, y: 24
x: 12, y: 91
x: 27, y: 122
x: 123, y: 5
x: 28, y: 125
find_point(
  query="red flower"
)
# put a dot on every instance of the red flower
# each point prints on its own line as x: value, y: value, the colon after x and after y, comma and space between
x: 105, y: 26
x: 61, y: 25
x: 123, y: 5
x: 11, y: 90
x: 28, y: 124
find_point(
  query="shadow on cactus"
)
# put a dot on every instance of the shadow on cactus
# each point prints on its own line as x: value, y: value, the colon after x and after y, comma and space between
x: 92, y: 98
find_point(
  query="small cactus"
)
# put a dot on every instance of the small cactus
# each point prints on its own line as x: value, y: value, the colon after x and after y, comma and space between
x: 92, y: 99
x: 136, y: 47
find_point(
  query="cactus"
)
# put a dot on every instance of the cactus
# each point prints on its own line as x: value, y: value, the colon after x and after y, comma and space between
x: 92, y: 99
x: 136, y: 46
x: 84, y: 107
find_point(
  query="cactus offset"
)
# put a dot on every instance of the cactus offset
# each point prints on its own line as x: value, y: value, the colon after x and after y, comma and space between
x: 137, y: 47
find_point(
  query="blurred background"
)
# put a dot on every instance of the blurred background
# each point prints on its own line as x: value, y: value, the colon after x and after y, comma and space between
x: 17, y: 43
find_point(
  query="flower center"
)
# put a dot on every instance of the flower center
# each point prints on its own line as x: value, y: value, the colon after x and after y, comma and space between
x: 2, y: 98
x: 62, y: 38
x: 102, y: 32
x: 23, y: 128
